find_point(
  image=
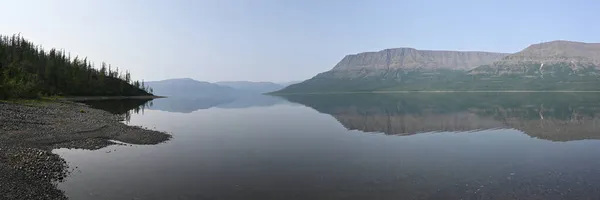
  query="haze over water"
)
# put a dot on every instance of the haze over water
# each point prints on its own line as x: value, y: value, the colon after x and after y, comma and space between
x: 353, y: 146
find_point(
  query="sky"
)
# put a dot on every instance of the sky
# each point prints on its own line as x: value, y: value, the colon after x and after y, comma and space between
x: 284, y: 40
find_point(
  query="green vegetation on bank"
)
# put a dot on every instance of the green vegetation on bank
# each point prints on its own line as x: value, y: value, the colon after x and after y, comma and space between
x: 29, y: 71
x: 522, y: 78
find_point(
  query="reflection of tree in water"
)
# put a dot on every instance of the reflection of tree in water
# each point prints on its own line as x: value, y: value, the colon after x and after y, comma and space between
x: 123, y: 108
x: 551, y: 116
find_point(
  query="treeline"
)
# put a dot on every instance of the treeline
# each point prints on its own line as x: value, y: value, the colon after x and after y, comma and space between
x: 29, y: 71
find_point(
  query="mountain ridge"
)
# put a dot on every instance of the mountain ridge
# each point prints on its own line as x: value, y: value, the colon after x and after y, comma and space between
x: 571, y: 54
x: 410, y: 58
x: 187, y: 87
x: 553, y: 65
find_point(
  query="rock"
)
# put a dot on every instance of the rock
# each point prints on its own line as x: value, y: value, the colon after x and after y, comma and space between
x: 28, y: 134
x: 559, y: 51
x: 409, y: 58
x: 390, y: 66
x: 538, y: 59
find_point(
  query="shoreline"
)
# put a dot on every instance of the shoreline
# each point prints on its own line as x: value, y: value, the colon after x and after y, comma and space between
x: 437, y: 91
x: 99, y: 98
x: 29, y: 133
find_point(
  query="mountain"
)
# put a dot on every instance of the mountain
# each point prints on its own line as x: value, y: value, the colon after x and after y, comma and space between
x: 387, y: 68
x: 555, y: 65
x: 254, y: 87
x: 186, y: 87
x: 409, y: 58
x: 392, y: 63
x: 188, y: 95
x: 543, y: 57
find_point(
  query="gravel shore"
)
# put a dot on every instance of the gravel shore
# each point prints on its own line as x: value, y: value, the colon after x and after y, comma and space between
x: 28, y: 133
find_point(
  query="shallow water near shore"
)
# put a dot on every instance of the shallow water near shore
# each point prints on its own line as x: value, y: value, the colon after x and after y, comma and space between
x: 350, y: 146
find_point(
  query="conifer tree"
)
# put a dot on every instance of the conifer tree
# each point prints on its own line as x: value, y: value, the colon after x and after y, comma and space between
x: 28, y: 71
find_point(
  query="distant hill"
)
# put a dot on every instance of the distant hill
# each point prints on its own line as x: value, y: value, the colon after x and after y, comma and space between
x: 255, y: 87
x: 549, y: 66
x: 188, y: 95
x: 186, y: 87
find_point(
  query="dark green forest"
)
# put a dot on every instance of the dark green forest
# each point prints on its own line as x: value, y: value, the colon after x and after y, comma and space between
x: 29, y: 71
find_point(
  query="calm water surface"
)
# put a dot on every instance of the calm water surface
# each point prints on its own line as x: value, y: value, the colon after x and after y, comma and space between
x: 383, y: 146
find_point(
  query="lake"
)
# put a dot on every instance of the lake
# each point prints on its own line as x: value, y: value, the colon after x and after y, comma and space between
x: 351, y: 146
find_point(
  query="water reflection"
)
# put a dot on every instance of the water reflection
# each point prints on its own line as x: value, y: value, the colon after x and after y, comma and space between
x: 190, y: 104
x: 549, y: 116
x: 452, y: 146
x: 123, y: 108
x: 183, y: 104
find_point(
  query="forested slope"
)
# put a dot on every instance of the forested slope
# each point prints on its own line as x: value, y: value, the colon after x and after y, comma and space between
x: 29, y: 71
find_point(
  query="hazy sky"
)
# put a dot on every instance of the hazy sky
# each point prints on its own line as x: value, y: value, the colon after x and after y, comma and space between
x: 283, y: 40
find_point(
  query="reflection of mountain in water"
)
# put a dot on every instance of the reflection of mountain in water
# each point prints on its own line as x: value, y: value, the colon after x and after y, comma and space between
x: 551, y: 116
x: 249, y: 101
x: 185, y: 104
x: 189, y: 104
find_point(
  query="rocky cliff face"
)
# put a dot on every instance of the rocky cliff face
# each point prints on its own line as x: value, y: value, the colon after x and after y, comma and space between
x: 560, y: 54
x: 409, y: 58
x: 557, y: 52
x: 556, y: 65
